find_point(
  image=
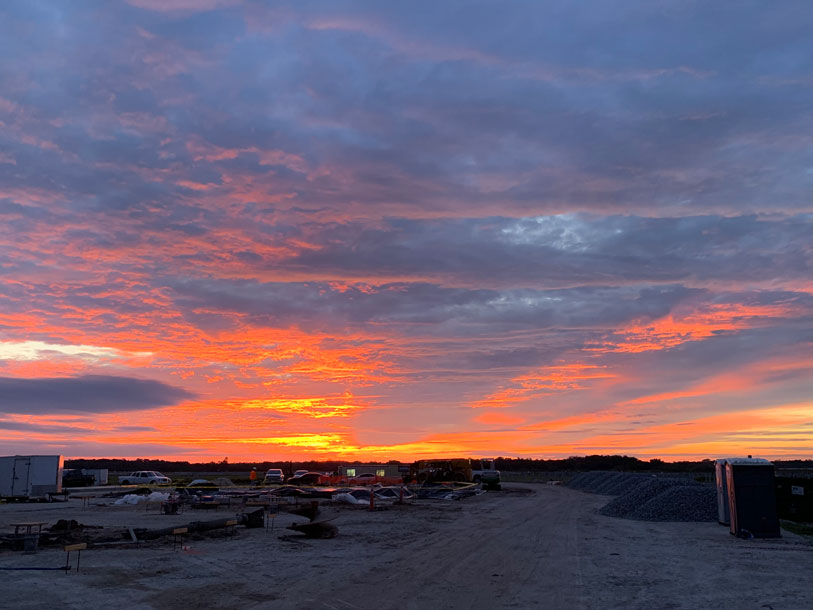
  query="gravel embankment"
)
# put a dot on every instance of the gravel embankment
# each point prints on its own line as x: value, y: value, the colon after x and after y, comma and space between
x: 650, y: 498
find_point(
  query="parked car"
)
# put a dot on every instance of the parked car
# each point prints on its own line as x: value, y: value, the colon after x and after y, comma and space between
x: 274, y: 475
x: 144, y: 477
x: 300, y: 473
x: 73, y: 477
x: 196, y: 488
x: 308, y: 478
x: 365, y: 478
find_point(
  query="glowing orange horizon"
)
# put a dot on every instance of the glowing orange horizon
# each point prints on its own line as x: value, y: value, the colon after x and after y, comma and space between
x: 271, y: 422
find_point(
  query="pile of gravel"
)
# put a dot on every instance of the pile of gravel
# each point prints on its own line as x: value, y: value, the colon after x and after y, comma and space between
x: 664, y: 499
x: 626, y: 484
x: 680, y: 503
x: 586, y: 481
x: 648, y: 497
x: 619, y: 483
x: 606, y: 483
x: 624, y: 505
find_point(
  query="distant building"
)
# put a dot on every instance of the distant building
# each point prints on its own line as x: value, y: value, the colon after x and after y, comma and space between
x: 379, y: 470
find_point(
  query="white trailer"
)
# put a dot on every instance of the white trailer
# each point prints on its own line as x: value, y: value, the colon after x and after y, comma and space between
x: 31, y: 476
x: 100, y: 475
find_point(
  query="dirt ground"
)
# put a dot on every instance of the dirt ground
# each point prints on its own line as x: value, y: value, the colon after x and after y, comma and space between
x: 529, y: 546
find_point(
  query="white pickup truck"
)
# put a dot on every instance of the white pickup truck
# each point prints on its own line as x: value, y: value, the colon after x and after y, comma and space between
x: 485, y: 473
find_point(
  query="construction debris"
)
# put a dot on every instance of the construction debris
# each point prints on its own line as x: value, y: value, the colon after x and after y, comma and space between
x: 316, y: 529
x: 394, y: 492
x: 155, y: 496
x: 448, y: 492
x: 349, y: 498
x: 306, y: 510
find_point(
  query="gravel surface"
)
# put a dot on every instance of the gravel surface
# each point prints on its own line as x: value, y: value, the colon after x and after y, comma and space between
x: 528, y: 547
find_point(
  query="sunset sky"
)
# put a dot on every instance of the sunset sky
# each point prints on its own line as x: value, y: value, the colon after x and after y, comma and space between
x: 386, y: 230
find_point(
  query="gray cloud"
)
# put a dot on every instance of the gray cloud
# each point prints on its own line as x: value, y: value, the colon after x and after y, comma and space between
x: 86, y: 394
x: 319, y: 306
x: 476, y: 106
x: 40, y: 428
x: 71, y: 448
x: 567, y: 250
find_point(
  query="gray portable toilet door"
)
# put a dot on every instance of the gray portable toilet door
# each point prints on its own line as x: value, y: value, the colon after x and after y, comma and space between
x: 19, y: 482
x: 720, y: 476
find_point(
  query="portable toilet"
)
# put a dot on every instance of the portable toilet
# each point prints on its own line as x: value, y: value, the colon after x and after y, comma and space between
x: 722, y: 491
x: 752, y: 498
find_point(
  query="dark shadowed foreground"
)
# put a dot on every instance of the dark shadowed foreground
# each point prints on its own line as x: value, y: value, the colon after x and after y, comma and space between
x: 530, y: 546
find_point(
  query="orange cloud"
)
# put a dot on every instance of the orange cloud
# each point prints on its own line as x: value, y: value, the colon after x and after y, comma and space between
x: 695, y: 325
x: 546, y: 381
x: 203, y: 150
x: 316, y: 408
x: 767, y: 432
x: 499, y: 419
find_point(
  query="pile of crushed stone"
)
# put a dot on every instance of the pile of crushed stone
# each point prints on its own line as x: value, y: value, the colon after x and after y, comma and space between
x: 650, y: 498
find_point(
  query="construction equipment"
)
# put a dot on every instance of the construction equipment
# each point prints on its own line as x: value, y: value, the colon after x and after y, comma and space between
x: 436, y: 471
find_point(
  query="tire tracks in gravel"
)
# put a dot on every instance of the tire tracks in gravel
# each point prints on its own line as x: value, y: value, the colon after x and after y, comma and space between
x: 501, y: 551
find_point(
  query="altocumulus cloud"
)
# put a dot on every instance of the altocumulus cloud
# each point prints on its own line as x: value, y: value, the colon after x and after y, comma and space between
x: 86, y: 394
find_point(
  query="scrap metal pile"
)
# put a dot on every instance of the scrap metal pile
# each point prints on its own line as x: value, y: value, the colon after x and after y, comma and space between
x: 66, y: 532
x: 448, y: 491
x: 646, y: 497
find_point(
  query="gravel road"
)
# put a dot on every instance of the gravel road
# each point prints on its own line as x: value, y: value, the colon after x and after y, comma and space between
x: 531, y: 546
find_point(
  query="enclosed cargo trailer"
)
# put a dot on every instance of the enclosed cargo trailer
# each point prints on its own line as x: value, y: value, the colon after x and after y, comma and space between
x: 30, y: 476
x: 100, y: 474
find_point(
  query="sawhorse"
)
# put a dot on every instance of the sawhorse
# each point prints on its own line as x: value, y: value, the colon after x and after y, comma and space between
x: 178, y: 531
x: 270, y: 516
x: 74, y: 547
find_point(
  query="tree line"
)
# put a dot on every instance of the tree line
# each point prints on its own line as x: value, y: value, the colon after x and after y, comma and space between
x: 575, y: 463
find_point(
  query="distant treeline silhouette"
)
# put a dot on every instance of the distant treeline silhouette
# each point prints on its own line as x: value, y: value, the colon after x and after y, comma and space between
x: 576, y: 464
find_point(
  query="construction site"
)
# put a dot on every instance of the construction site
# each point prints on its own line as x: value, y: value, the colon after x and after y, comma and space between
x: 598, y: 540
